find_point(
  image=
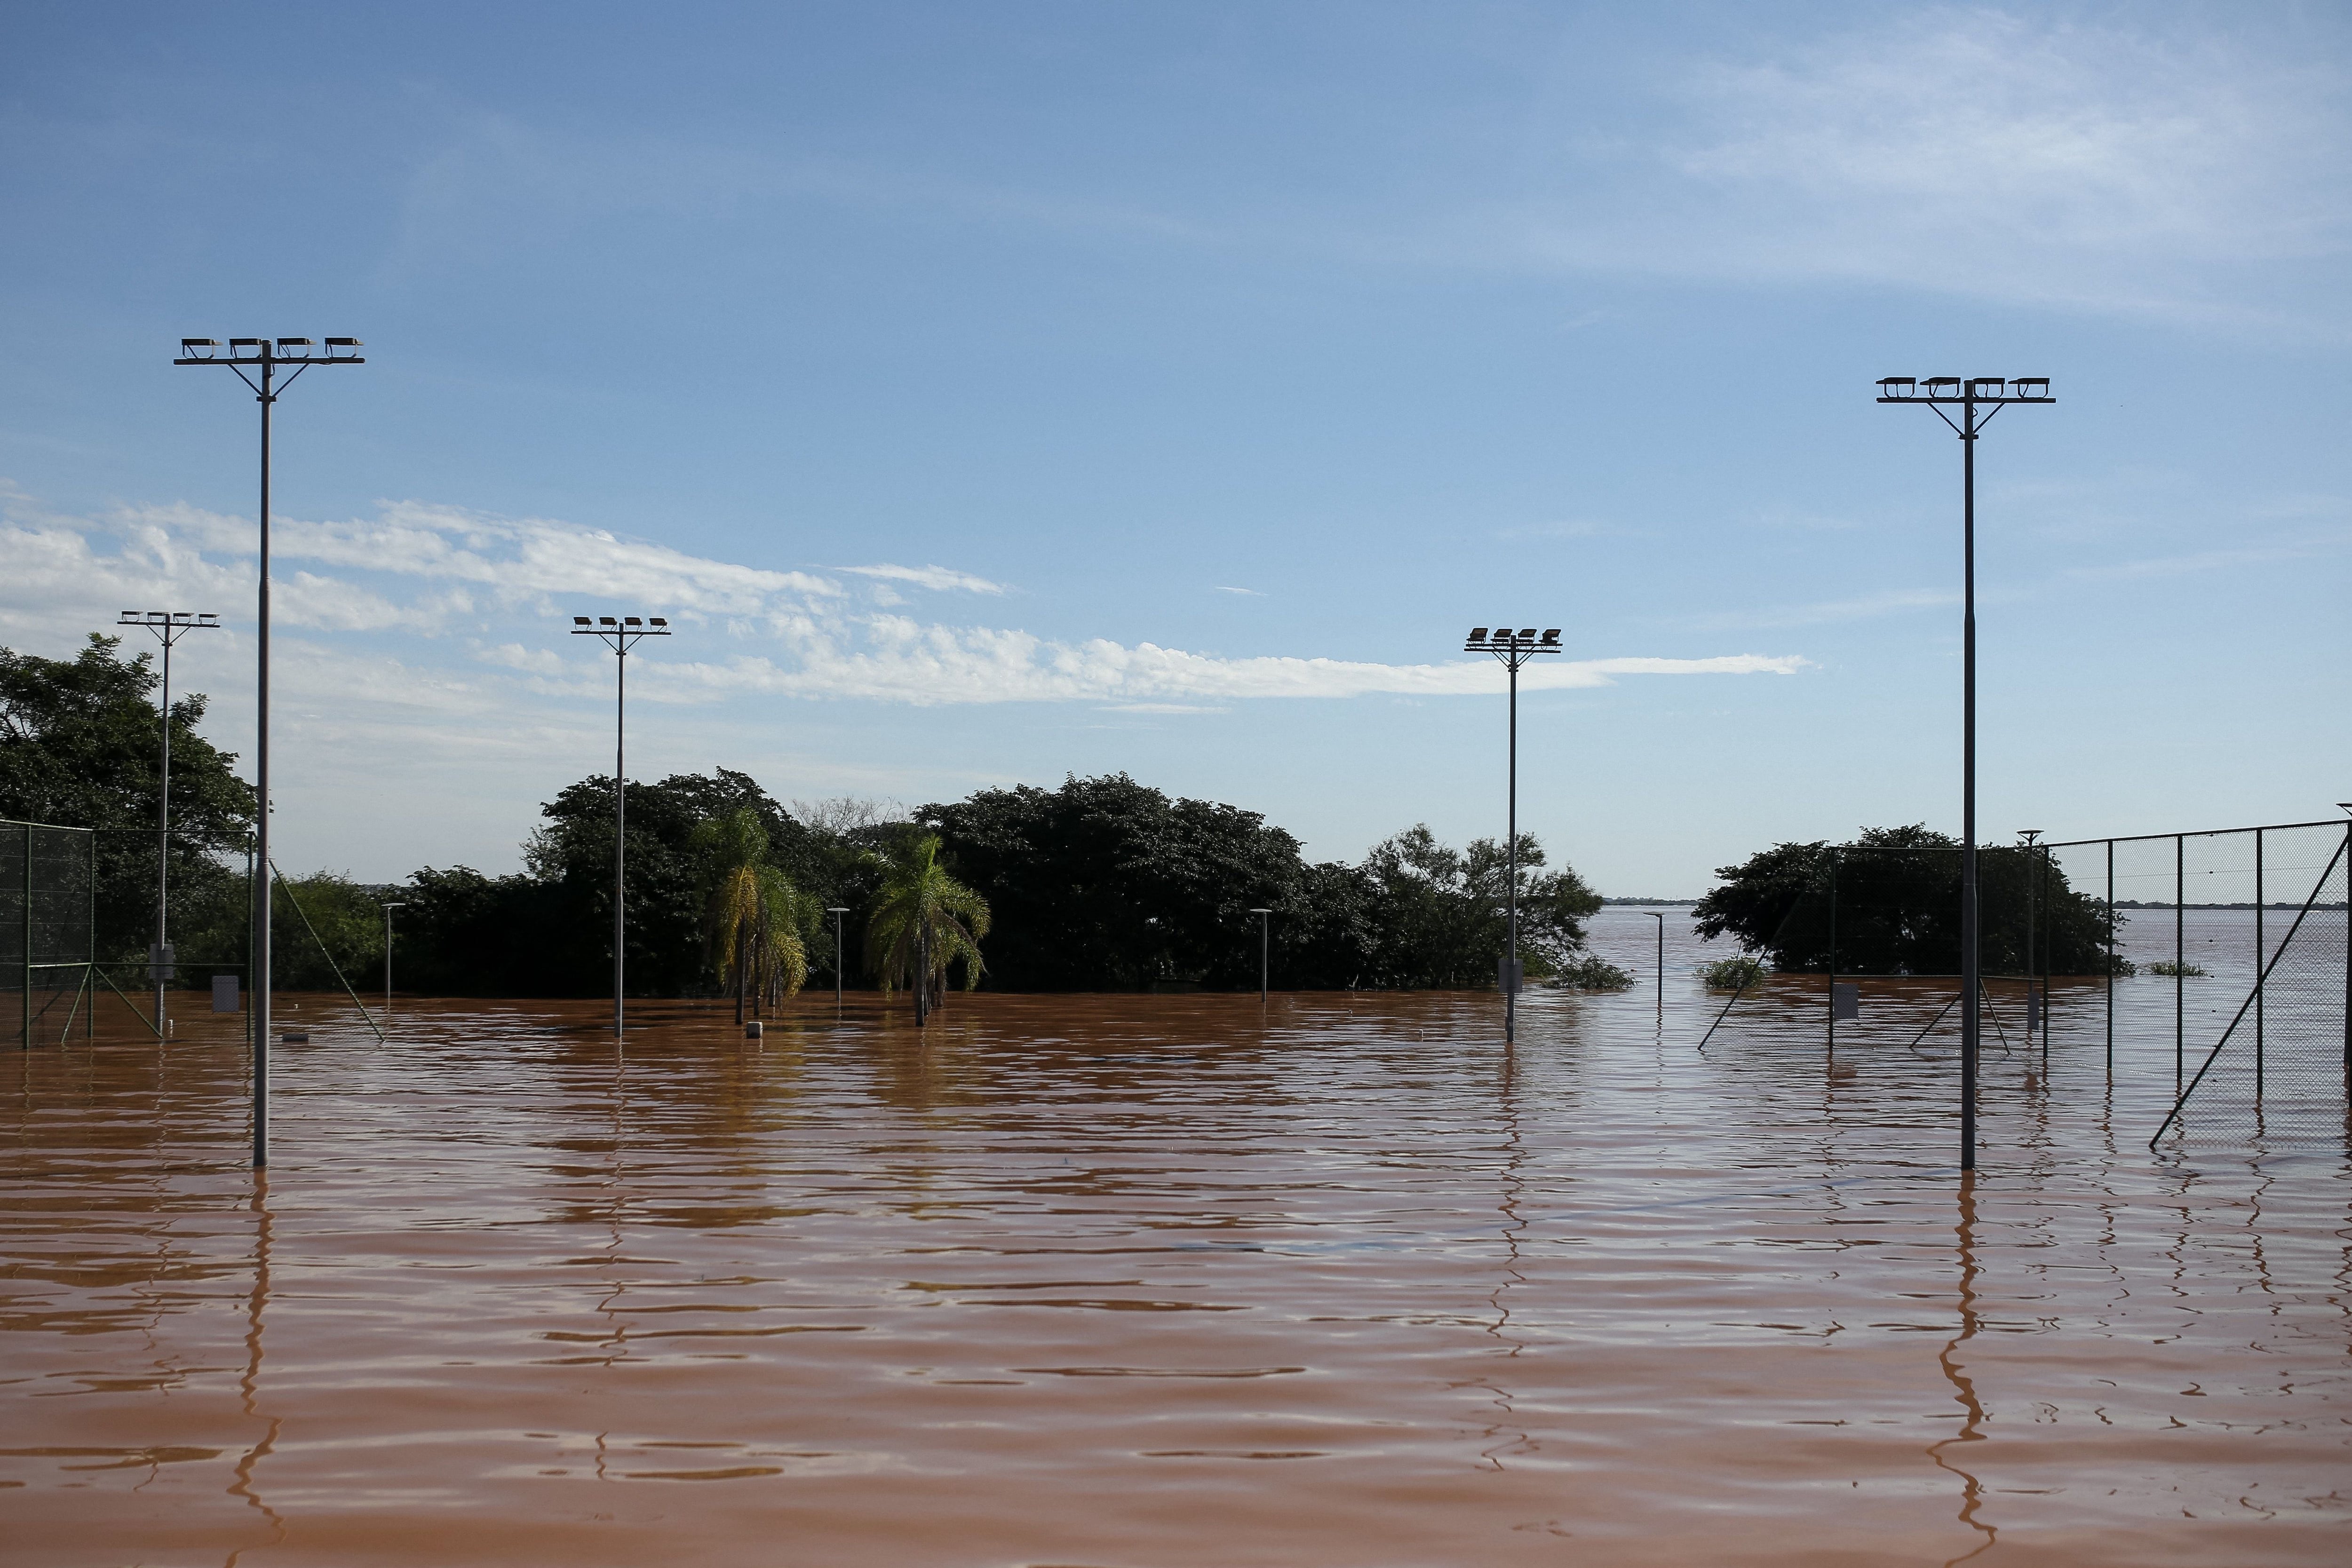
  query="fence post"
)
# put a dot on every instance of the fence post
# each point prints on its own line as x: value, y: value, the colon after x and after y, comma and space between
x: 28, y: 922
x: 2180, y: 954
x: 1833, y: 987
x: 89, y: 953
x: 2111, y: 958
x: 2262, y: 980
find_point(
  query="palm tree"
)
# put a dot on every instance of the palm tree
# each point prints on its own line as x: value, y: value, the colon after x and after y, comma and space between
x: 923, y: 921
x: 752, y: 916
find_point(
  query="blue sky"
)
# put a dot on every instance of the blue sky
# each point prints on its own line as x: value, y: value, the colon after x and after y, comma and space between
x: 990, y: 393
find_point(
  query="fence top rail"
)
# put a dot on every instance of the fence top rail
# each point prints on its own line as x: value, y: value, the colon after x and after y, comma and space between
x: 48, y: 827
x: 2193, y: 834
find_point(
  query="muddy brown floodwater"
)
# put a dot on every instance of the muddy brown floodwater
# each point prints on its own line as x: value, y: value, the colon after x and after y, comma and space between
x: 1136, y: 1282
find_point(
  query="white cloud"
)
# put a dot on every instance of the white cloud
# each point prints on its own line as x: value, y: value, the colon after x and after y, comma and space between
x: 515, y: 656
x: 415, y: 570
x: 1252, y: 592
x: 938, y: 578
x: 2017, y: 156
x: 519, y: 560
x: 935, y: 665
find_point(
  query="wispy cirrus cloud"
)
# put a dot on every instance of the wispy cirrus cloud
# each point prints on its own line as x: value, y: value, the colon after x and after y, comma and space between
x: 938, y: 578
x: 1861, y: 607
x: 900, y: 661
x: 2022, y: 155
x: 422, y: 572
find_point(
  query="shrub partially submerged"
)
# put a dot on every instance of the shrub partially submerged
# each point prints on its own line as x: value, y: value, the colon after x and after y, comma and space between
x: 1732, y: 974
x: 1592, y: 972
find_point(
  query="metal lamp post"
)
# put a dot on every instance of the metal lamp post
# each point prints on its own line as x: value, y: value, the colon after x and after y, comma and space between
x: 168, y: 626
x: 2026, y: 837
x: 387, y: 957
x: 836, y: 911
x: 1265, y: 950
x: 1662, y: 964
x: 1977, y: 399
x: 266, y: 359
x: 620, y: 633
x: 1514, y: 651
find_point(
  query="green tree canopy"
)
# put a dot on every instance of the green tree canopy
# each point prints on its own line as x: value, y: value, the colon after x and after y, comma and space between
x: 1891, y: 902
x: 80, y: 745
x: 924, y: 920
x: 752, y: 917
x: 1441, y: 912
x: 1107, y: 884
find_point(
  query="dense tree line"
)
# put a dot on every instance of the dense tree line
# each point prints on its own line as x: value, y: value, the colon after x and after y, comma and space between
x: 1891, y: 902
x: 1102, y: 884
x: 80, y: 746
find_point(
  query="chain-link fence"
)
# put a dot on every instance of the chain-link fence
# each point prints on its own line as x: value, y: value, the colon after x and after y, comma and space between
x: 2235, y: 954
x: 45, y: 927
x: 78, y: 931
x: 2209, y: 969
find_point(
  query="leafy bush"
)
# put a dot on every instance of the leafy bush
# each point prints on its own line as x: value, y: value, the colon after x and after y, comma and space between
x: 1889, y: 903
x: 1732, y: 974
x: 1590, y: 972
x: 2170, y: 970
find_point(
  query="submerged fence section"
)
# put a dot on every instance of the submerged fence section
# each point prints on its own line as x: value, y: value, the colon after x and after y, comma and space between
x: 2214, y: 970
x: 47, y: 875
x: 2245, y: 936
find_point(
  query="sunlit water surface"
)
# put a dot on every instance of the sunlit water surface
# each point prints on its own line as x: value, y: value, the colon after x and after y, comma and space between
x: 1135, y: 1280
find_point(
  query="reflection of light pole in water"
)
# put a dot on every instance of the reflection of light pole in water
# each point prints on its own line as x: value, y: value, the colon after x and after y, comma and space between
x: 1977, y: 400
x: 249, y: 1385
x: 1514, y: 651
x: 1265, y: 948
x: 1514, y: 1223
x: 1964, y: 1388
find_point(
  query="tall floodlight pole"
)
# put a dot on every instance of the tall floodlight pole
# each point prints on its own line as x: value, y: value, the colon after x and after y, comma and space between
x: 620, y: 634
x: 1977, y: 399
x: 387, y: 956
x: 836, y: 911
x: 1514, y: 651
x: 1265, y: 950
x: 168, y: 626
x: 266, y: 359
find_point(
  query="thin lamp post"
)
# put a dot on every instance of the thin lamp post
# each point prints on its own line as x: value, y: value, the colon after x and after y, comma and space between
x: 1264, y: 950
x: 168, y: 626
x: 836, y: 911
x: 2029, y: 835
x: 620, y: 633
x: 266, y: 359
x: 1514, y: 651
x: 1662, y: 964
x: 1978, y: 398
x: 387, y: 956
